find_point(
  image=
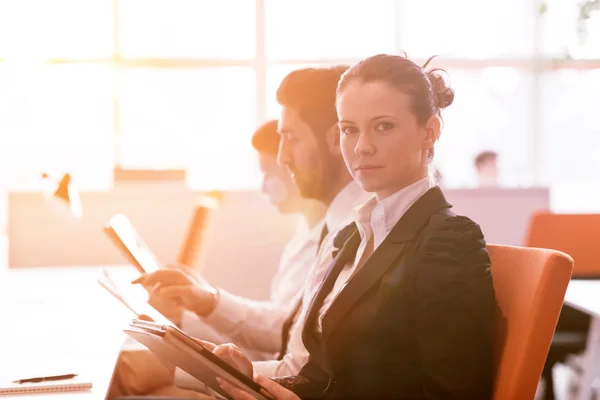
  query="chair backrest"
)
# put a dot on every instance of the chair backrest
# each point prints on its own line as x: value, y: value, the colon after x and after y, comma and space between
x: 575, y: 234
x: 530, y: 286
x: 191, y: 252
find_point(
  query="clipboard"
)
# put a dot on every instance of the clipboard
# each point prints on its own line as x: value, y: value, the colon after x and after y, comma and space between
x: 174, y: 345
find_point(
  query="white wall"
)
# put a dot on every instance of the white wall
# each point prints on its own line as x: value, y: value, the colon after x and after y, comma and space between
x: 244, y: 241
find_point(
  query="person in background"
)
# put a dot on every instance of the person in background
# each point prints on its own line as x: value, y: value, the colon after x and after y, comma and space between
x: 236, y: 318
x: 438, y: 178
x: 406, y: 308
x: 310, y: 150
x: 486, y: 164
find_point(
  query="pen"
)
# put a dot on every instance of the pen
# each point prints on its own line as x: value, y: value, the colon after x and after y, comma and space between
x: 46, y: 378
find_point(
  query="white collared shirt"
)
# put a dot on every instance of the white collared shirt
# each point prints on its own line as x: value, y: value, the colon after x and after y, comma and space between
x: 253, y: 325
x: 338, y: 216
x: 374, y: 220
x: 257, y: 325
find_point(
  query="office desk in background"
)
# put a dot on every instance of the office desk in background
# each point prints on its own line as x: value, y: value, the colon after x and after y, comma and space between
x: 584, y: 295
x: 59, y: 320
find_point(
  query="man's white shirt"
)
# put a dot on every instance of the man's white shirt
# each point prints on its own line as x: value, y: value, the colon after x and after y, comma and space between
x: 257, y: 325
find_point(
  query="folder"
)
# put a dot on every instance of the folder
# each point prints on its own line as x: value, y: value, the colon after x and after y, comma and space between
x: 173, y: 345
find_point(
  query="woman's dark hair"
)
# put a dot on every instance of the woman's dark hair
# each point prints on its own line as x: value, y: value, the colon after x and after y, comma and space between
x: 427, y: 88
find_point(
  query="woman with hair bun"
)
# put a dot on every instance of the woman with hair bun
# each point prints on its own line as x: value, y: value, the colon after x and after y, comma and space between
x: 405, y: 310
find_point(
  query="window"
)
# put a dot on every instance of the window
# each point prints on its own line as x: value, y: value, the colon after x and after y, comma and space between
x: 57, y: 118
x: 331, y: 29
x: 155, y: 84
x: 197, y: 118
x: 569, y: 104
x: 467, y: 29
x: 42, y: 29
x: 492, y: 110
x: 565, y: 34
x: 219, y: 29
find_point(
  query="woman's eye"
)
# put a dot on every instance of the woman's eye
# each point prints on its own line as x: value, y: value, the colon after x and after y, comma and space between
x: 349, y: 130
x: 384, y: 126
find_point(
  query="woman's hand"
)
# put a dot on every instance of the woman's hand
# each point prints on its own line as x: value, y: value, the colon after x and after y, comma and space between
x: 278, y: 391
x: 233, y: 356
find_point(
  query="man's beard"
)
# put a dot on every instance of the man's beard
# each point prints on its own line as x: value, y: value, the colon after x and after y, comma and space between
x: 318, y: 183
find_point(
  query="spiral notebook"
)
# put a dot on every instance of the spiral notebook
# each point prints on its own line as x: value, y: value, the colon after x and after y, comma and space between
x: 70, y: 385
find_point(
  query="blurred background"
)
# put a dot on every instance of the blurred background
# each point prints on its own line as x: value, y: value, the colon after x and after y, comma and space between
x: 116, y: 92
x: 143, y: 107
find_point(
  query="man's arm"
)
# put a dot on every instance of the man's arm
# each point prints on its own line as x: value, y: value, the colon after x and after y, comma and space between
x: 251, y: 324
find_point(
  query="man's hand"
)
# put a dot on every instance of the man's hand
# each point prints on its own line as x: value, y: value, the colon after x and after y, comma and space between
x: 192, y: 273
x: 172, y: 310
x: 278, y: 391
x: 179, y: 288
x: 234, y: 357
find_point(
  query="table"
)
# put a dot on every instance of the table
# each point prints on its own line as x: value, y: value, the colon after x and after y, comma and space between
x: 584, y: 295
x: 60, y: 319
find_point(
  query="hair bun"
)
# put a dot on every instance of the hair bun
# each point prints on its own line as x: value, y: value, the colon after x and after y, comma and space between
x: 444, y: 95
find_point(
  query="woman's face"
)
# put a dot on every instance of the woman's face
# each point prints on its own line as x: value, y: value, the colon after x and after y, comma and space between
x: 384, y: 146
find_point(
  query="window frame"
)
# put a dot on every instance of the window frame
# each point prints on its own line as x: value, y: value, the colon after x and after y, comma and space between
x: 538, y: 65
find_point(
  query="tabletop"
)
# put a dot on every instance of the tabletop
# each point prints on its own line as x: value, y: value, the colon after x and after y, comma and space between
x: 59, y: 321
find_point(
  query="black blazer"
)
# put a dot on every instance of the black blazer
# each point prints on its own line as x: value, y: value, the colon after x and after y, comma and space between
x: 414, y: 322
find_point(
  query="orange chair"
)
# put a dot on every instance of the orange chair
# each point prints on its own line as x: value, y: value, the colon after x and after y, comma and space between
x: 575, y: 234
x: 191, y: 252
x: 530, y: 285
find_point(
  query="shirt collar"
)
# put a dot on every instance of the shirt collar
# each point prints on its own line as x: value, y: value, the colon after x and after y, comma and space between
x: 342, y: 205
x: 315, y: 233
x: 390, y: 209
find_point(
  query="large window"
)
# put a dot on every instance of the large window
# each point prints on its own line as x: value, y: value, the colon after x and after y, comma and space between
x: 170, y: 84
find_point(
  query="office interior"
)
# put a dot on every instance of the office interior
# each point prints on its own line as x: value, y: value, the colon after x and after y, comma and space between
x: 147, y: 108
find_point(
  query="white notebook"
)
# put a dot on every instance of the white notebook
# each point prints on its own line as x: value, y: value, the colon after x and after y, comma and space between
x: 70, y: 385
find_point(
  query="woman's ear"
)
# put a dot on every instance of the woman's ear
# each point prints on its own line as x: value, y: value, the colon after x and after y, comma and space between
x: 432, y: 132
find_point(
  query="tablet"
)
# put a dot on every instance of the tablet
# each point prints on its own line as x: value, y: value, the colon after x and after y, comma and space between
x: 191, y: 356
x: 122, y: 233
x: 133, y: 299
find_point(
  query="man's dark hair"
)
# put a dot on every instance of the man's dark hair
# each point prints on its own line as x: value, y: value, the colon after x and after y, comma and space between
x: 485, y: 156
x: 311, y: 93
x: 266, y: 139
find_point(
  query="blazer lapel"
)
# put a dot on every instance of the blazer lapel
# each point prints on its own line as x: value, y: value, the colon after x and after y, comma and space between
x: 375, y: 267
x: 383, y: 257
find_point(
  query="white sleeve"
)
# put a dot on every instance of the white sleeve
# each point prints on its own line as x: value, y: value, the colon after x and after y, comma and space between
x: 196, y: 327
x: 291, y: 364
x: 249, y: 323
